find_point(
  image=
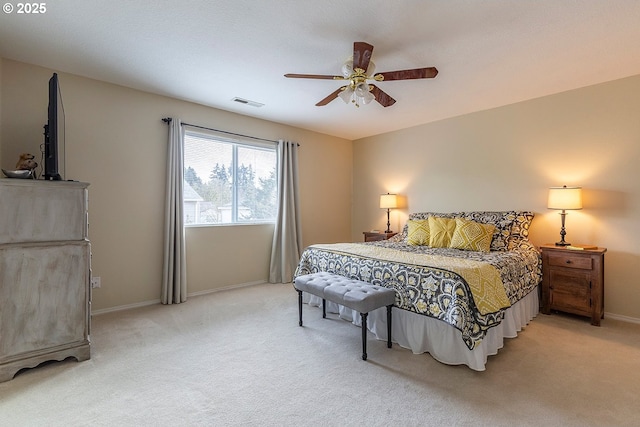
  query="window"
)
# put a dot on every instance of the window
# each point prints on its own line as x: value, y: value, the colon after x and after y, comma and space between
x: 228, y: 181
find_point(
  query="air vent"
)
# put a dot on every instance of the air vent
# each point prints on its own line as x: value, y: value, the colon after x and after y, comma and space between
x: 247, y: 102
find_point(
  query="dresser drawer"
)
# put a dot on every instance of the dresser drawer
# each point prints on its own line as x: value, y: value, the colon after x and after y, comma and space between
x: 570, y: 261
x: 42, y: 211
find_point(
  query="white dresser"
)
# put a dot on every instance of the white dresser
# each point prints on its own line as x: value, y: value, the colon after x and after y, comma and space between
x: 45, y: 275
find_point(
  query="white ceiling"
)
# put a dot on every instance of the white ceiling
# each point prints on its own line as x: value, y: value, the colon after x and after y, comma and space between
x: 489, y: 53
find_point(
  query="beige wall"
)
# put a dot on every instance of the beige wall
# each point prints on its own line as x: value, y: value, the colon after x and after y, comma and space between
x: 506, y: 158
x: 115, y: 140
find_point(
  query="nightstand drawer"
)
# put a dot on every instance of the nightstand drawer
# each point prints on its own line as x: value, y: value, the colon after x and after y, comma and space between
x: 570, y: 261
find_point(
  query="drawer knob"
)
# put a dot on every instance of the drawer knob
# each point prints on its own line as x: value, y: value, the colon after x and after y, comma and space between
x: 568, y: 261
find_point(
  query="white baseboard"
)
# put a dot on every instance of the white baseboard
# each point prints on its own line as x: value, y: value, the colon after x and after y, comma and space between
x: 124, y: 307
x: 227, y: 288
x: 157, y: 301
x: 622, y: 318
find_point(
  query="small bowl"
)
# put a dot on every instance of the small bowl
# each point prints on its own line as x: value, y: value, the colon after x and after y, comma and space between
x: 22, y: 174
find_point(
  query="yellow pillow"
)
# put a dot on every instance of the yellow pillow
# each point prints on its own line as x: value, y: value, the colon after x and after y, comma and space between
x: 441, y: 231
x: 418, y: 232
x: 472, y: 236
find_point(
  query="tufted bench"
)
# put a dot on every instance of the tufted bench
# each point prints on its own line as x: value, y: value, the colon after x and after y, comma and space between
x: 359, y: 296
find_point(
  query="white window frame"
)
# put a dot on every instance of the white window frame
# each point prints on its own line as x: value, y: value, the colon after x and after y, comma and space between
x: 236, y: 142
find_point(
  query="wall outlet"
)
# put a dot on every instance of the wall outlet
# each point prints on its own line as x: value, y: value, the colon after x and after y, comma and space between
x: 95, y: 282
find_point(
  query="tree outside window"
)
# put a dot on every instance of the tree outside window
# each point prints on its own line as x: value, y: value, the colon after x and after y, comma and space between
x: 228, y: 182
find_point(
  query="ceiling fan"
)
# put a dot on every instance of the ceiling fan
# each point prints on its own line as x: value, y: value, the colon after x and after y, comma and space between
x: 358, y: 71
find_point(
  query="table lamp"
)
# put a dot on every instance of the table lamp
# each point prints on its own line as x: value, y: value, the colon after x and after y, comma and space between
x: 564, y: 198
x: 388, y: 201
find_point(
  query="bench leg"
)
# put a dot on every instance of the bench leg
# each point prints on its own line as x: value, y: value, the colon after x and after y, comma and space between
x: 364, y: 335
x: 299, y: 308
x: 389, y: 326
x: 324, y: 308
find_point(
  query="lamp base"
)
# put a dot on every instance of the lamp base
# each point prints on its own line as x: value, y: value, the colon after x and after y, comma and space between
x: 563, y: 232
x: 388, y: 230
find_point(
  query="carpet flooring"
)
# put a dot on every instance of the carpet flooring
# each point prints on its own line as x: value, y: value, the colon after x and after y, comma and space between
x: 238, y: 357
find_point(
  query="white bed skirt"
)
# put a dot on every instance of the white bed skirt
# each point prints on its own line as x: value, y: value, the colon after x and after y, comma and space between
x: 422, y: 334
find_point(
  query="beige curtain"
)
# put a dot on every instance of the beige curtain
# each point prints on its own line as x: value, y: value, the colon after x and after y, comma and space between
x: 287, y: 236
x: 174, y: 277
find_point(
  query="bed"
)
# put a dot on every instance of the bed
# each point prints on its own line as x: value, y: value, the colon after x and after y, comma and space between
x: 457, y: 298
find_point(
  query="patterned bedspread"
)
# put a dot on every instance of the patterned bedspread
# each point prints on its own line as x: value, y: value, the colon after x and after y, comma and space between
x: 425, y: 285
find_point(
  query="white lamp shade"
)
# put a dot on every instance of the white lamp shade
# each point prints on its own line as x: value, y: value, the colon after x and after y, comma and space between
x: 347, y: 69
x: 362, y: 89
x: 388, y: 201
x: 565, y: 198
x: 346, y: 94
x: 363, y: 94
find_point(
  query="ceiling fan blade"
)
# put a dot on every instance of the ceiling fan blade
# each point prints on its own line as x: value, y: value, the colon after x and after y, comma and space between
x: 313, y: 76
x: 383, y: 98
x: 330, y: 97
x: 416, y: 73
x: 361, y: 55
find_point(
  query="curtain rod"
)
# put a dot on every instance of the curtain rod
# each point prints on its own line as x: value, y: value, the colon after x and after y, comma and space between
x: 167, y: 120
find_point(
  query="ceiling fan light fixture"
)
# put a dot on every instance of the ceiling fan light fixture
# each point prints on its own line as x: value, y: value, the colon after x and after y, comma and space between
x: 359, y: 100
x: 346, y: 95
x: 363, y: 94
x: 347, y: 69
x: 348, y: 72
x: 357, y: 94
x: 362, y: 89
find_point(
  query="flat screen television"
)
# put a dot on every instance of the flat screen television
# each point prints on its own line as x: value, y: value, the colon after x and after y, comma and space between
x: 54, y: 133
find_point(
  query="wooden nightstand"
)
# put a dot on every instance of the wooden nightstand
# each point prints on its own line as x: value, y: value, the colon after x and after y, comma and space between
x: 373, y: 236
x: 573, y: 281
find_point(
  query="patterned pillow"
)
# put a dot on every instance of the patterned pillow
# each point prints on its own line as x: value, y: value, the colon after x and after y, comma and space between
x: 503, y: 221
x: 520, y: 229
x: 441, y: 230
x: 472, y: 236
x: 418, y: 232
